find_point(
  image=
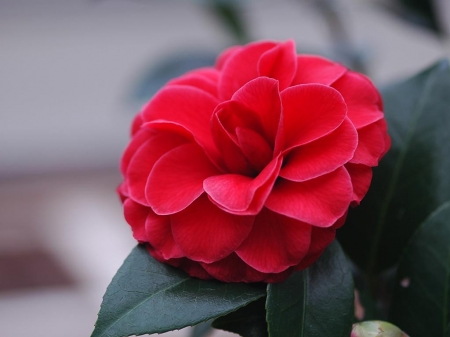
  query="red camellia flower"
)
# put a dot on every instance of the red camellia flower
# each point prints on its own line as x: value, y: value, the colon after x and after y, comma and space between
x: 242, y: 172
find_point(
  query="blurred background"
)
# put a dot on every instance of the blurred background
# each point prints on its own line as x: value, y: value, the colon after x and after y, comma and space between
x: 72, y: 75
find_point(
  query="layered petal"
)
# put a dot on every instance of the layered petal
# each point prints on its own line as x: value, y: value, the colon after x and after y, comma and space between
x: 319, y: 202
x: 159, y: 234
x: 213, y: 235
x: 361, y: 176
x: 310, y: 111
x: 321, y: 156
x: 176, y: 179
x: 145, y: 158
x: 239, y: 194
x: 275, y: 243
x: 196, y: 81
x: 279, y: 63
x: 241, y: 67
x: 136, y: 142
x: 225, y: 55
x: 362, y: 98
x: 136, y: 214
x: 262, y: 97
x: 371, y: 145
x: 233, y: 269
x: 316, y: 69
x: 185, y: 105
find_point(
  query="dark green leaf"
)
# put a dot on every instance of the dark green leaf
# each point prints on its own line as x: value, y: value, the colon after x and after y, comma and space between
x: 147, y: 297
x: 313, y: 302
x: 447, y: 333
x: 421, y: 305
x: 249, y: 321
x: 413, y: 179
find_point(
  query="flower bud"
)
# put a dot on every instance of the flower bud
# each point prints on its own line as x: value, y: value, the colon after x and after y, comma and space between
x: 376, y: 329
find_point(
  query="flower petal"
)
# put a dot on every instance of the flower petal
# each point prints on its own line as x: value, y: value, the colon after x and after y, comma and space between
x: 254, y: 147
x: 279, y: 63
x: 316, y: 69
x: 191, y: 107
x: 262, y: 96
x: 159, y: 234
x: 196, y: 81
x: 176, y: 179
x: 145, y: 158
x: 225, y: 55
x: 319, y: 202
x: 241, y: 67
x: 275, y: 243
x: 233, y: 269
x: 234, y: 160
x: 310, y: 111
x: 139, y: 138
x: 239, y: 194
x: 135, y: 215
x: 361, y: 176
x: 207, y: 234
x: 323, y: 155
x: 371, y: 145
x: 362, y: 98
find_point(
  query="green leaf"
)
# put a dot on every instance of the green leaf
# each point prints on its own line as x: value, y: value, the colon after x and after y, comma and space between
x: 249, y: 321
x: 315, y: 301
x: 146, y: 297
x: 413, y: 179
x: 421, y: 303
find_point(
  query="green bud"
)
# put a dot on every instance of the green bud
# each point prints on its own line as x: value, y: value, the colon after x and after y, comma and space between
x: 376, y: 329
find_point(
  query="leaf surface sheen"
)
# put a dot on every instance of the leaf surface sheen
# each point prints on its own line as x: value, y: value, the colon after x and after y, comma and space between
x: 315, y: 302
x: 413, y: 179
x: 421, y: 303
x: 146, y: 296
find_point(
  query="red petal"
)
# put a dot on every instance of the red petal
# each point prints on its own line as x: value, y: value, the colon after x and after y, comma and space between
x: 191, y: 267
x: 136, y: 142
x: 323, y: 155
x: 159, y: 234
x: 122, y: 191
x: 176, y: 180
x: 279, y: 63
x: 178, y: 129
x: 371, y: 145
x: 136, y: 124
x: 319, y: 202
x: 225, y: 55
x: 136, y: 214
x: 233, y: 269
x: 316, y: 69
x: 209, y: 73
x: 143, y: 160
x: 241, y: 67
x: 254, y: 147
x: 361, y: 176
x: 310, y: 111
x: 207, y: 234
x: 239, y: 194
x: 185, y: 105
x: 196, y: 81
x: 275, y: 243
x: 262, y: 96
x: 320, y: 240
x: 361, y: 97
x: 235, y: 161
